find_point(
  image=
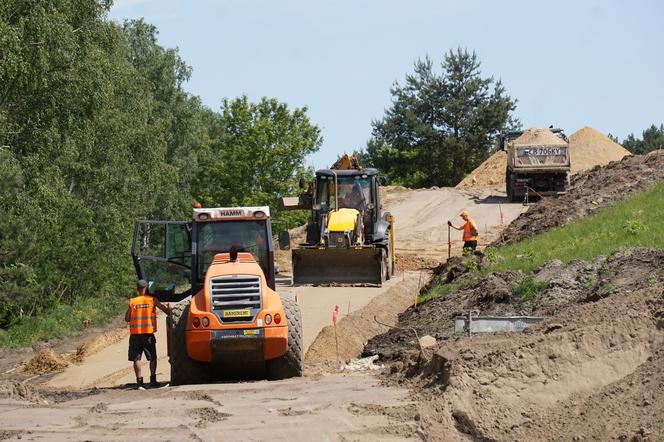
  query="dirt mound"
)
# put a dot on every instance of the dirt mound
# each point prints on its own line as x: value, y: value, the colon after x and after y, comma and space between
x: 560, y: 286
x: 354, y: 330
x: 45, y: 361
x: 282, y: 258
x: 589, y: 191
x: 593, y: 370
x: 589, y: 148
x: 489, y: 173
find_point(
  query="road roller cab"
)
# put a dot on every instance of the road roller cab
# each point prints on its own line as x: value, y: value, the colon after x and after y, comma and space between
x: 228, y: 320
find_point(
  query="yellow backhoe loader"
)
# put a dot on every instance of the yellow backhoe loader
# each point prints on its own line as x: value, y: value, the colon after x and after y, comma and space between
x: 349, y: 239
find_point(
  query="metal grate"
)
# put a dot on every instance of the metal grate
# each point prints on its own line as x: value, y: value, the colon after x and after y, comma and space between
x: 236, y: 292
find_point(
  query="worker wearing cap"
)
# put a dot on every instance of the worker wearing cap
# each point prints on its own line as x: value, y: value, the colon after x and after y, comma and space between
x: 470, y: 232
x: 142, y: 318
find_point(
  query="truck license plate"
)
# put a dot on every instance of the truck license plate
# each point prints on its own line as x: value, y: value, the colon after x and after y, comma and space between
x: 243, y: 313
x: 542, y: 151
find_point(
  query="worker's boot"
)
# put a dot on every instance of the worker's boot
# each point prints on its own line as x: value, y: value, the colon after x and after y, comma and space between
x: 153, y: 381
x: 139, y: 383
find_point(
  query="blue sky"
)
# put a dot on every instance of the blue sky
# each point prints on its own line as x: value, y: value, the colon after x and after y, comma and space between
x: 569, y: 63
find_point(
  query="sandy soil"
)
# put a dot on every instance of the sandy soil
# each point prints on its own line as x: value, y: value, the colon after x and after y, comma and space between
x: 339, y: 407
x: 421, y: 220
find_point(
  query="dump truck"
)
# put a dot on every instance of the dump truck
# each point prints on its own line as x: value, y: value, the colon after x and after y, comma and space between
x: 535, y: 169
x: 349, y: 239
x: 228, y: 321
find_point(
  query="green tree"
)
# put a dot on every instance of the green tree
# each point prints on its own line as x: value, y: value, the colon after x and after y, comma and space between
x: 652, y: 139
x: 440, y: 126
x: 95, y: 129
x: 255, y: 154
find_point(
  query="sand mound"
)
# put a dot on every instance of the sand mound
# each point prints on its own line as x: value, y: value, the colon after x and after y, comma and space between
x: 590, y: 148
x: 354, y: 330
x: 536, y: 136
x: 489, y: 173
x: 45, y: 361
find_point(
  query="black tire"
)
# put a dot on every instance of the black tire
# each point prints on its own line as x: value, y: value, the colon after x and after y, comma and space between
x: 388, y: 273
x: 383, y: 266
x: 291, y: 364
x: 511, y: 193
x: 184, y: 370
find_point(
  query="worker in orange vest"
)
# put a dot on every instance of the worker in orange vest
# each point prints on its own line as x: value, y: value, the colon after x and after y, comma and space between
x: 470, y: 232
x: 142, y: 318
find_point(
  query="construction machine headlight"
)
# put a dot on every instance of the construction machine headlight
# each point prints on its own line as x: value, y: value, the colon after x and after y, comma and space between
x: 203, y: 216
x: 206, y: 322
x: 196, y: 322
x: 268, y: 319
x: 277, y: 318
x: 259, y: 214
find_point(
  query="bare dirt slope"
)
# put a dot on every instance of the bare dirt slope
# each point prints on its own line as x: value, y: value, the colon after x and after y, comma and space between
x: 590, y: 372
x: 589, y: 191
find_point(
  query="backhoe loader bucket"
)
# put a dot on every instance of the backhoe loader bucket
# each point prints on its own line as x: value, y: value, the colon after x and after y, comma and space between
x: 342, y: 265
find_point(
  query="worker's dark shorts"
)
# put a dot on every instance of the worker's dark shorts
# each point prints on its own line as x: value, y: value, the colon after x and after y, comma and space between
x: 139, y: 344
x: 472, y: 245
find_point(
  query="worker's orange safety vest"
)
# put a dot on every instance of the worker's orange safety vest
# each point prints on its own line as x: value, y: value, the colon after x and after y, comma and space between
x: 143, y: 318
x: 470, y: 232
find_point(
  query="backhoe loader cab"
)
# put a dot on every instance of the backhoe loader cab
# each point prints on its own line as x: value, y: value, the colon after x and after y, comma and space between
x: 228, y: 321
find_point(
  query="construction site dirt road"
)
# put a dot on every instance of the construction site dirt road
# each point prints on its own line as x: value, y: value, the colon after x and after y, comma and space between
x: 92, y: 399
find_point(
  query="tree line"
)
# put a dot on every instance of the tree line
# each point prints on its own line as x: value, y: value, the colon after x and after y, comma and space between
x: 96, y: 131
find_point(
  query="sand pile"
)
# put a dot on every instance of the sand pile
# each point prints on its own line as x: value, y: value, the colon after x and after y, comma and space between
x: 45, y: 361
x: 590, y: 148
x: 536, y: 136
x: 489, y: 173
x: 492, y: 171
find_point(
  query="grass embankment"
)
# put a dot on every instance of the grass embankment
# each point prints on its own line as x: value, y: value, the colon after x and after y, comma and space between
x: 62, y: 321
x: 634, y: 222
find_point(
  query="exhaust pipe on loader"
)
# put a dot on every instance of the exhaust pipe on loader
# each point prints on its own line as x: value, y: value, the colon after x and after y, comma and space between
x: 364, y: 265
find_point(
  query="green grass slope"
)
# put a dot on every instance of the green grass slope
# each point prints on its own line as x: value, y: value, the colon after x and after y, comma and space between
x: 634, y: 222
